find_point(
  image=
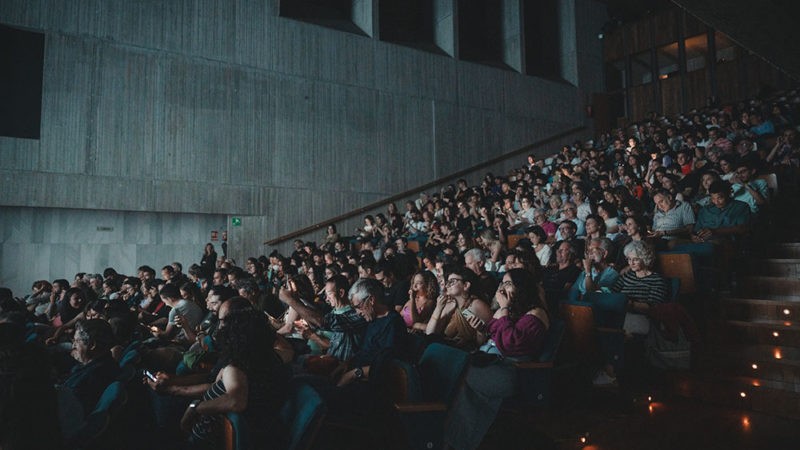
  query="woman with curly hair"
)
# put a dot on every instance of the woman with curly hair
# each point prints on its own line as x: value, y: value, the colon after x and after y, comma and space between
x: 252, y: 381
x: 422, y: 299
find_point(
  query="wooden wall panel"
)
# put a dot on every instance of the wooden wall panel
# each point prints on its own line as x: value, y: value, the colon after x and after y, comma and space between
x: 671, y: 96
x: 613, y: 45
x: 665, y: 23
x: 692, y: 26
x: 639, y: 36
x: 642, y: 100
x: 728, y: 89
x: 697, y: 89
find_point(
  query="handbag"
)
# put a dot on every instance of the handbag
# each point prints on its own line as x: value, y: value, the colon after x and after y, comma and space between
x: 664, y: 353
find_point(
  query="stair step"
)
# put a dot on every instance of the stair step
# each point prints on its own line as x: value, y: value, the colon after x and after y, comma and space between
x: 758, y: 352
x: 770, y: 287
x: 760, y: 331
x: 758, y: 360
x: 745, y: 308
x: 778, y: 267
x: 784, y: 250
x: 778, y: 398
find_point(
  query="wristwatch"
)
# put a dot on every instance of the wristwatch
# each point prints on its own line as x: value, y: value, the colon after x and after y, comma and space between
x: 359, y: 372
x: 193, y: 405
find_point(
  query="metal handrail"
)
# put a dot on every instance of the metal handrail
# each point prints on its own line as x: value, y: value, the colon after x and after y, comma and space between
x: 439, y: 181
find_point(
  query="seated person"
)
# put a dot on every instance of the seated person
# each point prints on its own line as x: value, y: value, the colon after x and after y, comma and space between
x: 183, y: 314
x: 70, y: 311
x: 672, y: 218
x: 567, y: 231
x: 203, y: 348
x: 172, y: 341
x: 517, y: 331
x: 297, y: 288
x: 558, y: 280
x: 571, y: 215
x: 339, y: 332
x: 643, y: 287
x: 747, y: 188
x: 597, y: 272
x: 385, y: 336
x: 252, y: 381
x: 460, y: 316
x: 152, y: 311
x: 519, y: 326
x: 91, y: 347
x: 421, y: 302
x: 723, y: 218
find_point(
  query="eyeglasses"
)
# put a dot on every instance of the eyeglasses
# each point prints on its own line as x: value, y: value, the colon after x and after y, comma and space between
x: 360, y: 305
x: 452, y: 281
x: 506, y: 283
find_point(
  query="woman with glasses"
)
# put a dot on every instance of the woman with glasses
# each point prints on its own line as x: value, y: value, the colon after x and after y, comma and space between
x: 518, y: 328
x: 517, y: 332
x: 460, y: 316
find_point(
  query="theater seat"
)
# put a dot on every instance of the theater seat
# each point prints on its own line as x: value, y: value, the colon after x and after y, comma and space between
x: 235, y: 434
x: 535, y: 378
x: 423, y: 394
x: 302, y: 413
x: 96, y: 430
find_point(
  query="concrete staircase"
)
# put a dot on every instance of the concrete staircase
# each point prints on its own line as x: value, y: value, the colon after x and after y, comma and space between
x: 751, y: 355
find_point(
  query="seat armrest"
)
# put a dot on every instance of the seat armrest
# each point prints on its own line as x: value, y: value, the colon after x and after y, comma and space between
x: 606, y: 330
x: 532, y: 365
x: 420, y: 407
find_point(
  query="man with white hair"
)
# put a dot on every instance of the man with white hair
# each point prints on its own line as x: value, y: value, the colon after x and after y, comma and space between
x: 485, y: 284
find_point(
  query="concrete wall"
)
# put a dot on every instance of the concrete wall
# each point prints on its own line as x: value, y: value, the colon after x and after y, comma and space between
x: 39, y: 243
x: 201, y: 108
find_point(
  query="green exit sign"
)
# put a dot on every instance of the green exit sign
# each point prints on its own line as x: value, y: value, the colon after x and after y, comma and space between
x: 236, y: 221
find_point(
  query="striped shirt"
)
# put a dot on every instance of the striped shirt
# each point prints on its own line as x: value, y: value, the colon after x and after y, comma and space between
x: 650, y: 289
x: 344, y: 328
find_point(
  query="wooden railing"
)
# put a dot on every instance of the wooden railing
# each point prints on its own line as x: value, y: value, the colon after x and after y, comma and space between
x: 557, y: 139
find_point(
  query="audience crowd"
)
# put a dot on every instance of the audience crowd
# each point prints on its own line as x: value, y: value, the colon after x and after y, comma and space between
x: 482, y: 268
